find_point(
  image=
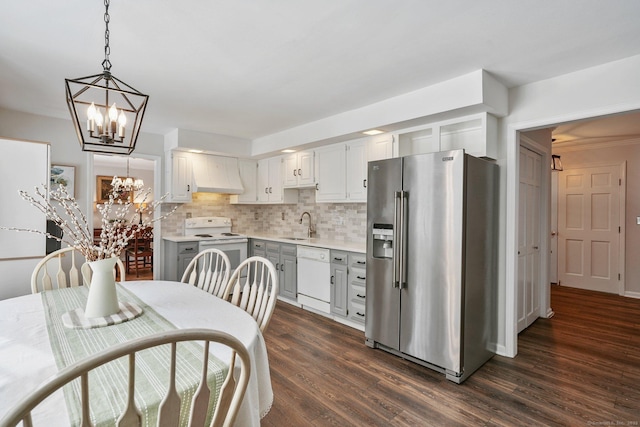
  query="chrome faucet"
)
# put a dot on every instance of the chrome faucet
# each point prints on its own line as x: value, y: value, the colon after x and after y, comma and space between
x: 310, y: 231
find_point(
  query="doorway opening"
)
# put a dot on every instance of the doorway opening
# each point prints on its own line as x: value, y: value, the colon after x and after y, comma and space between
x: 139, y: 256
x: 588, y: 198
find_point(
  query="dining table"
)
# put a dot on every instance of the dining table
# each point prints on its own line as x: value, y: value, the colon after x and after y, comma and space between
x: 28, y: 349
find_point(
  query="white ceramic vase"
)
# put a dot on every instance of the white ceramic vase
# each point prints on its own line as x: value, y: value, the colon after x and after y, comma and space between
x: 103, y: 299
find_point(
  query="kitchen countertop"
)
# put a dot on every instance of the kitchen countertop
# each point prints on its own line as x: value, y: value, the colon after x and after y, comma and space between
x: 179, y: 239
x: 316, y: 242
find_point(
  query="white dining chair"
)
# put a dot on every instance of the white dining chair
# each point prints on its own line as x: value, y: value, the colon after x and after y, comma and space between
x: 68, y: 268
x: 228, y: 401
x: 253, y: 287
x: 209, y: 271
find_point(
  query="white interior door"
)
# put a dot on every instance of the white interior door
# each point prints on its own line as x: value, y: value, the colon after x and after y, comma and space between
x: 589, y: 228
x: 529, y: 238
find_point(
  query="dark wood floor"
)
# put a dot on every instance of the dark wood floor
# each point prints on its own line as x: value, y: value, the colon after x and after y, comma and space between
x: 579, y: 368
x: 143, y: 274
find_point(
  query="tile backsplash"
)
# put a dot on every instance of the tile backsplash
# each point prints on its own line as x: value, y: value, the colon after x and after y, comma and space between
x: 335, y: 221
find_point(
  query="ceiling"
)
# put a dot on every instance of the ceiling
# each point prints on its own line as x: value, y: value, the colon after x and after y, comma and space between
x: 253, y: 68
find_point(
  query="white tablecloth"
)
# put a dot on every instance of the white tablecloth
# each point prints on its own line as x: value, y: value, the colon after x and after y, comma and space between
x: 26, y: 359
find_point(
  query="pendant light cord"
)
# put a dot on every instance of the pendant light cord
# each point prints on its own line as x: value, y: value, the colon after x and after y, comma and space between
x: 106, y: 64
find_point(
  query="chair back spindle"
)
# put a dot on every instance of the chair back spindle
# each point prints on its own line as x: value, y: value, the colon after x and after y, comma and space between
x: 66, y: 274
x: 209, y: 271
x: 253, y: 287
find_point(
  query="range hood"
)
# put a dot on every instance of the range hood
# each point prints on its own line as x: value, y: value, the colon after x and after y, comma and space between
x: 216, y: 174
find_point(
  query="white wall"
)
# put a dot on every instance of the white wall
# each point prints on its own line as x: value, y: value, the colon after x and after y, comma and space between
x: 65, y: 149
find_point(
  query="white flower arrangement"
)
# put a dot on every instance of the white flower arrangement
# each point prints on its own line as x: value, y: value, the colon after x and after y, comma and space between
x: 117, y: 230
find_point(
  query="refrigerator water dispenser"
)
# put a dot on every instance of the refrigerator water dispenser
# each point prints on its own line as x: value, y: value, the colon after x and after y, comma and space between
x: 382, y: 240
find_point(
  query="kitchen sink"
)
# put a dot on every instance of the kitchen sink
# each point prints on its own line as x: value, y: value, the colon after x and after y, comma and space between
x: 294, y: 238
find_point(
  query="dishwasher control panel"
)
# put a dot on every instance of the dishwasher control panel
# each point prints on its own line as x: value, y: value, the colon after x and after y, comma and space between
x: 316, y: 254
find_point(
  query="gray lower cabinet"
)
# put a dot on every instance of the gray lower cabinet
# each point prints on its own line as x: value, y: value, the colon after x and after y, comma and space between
x: 339, y: 291
x: 357, y: 276
x: 177, y: 256
x: 284, y: 258
x: 348, y: 277
x: 258, y: 248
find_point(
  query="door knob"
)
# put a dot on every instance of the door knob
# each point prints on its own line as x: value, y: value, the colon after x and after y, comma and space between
x: 553, y: 233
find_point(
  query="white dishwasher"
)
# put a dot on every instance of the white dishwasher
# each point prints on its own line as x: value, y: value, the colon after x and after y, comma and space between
x: 314, y: 278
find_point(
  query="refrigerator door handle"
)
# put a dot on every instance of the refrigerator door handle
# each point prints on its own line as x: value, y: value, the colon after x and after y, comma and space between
x: 396, y: 239
x: 402, y: 263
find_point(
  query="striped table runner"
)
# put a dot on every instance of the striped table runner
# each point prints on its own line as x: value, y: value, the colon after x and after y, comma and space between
x: 108, y: 384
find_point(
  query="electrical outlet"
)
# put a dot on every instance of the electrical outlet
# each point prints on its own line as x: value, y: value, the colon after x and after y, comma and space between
x: 255, y: 215
x: 283, y: 216
x: 188, y: 214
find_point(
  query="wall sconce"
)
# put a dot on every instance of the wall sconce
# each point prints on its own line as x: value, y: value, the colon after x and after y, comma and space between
x: 556, y: 163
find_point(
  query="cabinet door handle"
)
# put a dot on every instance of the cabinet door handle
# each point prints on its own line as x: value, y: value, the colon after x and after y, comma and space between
x: 270, y: 190
x: 364, y: 183
x: 266, y: 190
x: 282, y: 267
x: 299, y: 172
x: 360, y: 314
x: 189, y: 249
x: 361, y: 277
x: 277, y: 266
x: 188, y: 187
x: 360, y: 296
x: 294, y: 172
x: 317, y: 187
x: 335, y: 258
x: 332, y: 281
x: 361, y: 262
x: 535, y: 247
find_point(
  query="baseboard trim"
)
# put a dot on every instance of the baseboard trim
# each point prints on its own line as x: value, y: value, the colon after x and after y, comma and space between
x: 632, y: 294
x: 501, y: 350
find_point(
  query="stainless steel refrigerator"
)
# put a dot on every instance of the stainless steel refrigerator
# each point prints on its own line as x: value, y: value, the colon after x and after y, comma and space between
x: 431, y: 260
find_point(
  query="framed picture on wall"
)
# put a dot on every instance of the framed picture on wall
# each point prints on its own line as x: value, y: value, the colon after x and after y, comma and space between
x: 65, y: 176
x: 103, y: 190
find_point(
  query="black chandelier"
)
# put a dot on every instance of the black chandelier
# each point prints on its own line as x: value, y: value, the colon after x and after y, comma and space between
x: 114, y: 110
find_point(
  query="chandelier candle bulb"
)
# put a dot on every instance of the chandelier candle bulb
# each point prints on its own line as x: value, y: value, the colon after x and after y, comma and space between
x: 113, y: 117
x: 98, y: 121
x: 91, y: 113
x: 122, y: 120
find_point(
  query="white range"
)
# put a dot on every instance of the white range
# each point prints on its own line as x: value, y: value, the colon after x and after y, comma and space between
x: 215, y: 232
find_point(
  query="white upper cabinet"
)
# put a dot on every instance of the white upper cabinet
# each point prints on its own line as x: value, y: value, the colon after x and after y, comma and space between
x: 380, y: 147
x: 179, y: 177
x: 356, y: 169
x: 476, y: 134
x: 249, y: 177
x: 275, y: 179
x: 341, y: 169
x: 270, y: 184
x: 299, y: 169
x: 417, y: 142
x: 331, y: 173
